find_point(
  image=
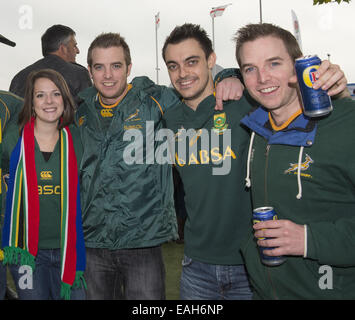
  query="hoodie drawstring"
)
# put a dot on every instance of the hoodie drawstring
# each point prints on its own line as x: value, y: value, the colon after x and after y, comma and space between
x: 247, y: 178
x: 299, y: 195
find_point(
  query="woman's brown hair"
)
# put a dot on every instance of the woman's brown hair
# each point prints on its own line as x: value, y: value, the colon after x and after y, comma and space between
x: 27, y: 111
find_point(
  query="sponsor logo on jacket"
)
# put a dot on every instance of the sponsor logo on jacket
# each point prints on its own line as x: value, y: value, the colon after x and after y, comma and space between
x: 81, y: 121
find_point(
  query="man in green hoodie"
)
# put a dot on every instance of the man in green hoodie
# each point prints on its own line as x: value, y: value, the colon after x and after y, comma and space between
x: 304, y: 168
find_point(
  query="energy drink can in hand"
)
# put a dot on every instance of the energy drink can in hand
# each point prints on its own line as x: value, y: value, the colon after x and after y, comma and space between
x: 316, y: 103
x: 264, y: 214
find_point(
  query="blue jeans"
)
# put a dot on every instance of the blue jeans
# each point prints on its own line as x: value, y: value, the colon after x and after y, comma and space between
x: 2, y: 281
x: 203, y: 281
x: 45, y: 282
x: 131, y: 274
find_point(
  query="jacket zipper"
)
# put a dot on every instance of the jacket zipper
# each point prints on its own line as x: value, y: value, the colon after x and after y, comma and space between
x: 265, y: 173
x: 267, y: 203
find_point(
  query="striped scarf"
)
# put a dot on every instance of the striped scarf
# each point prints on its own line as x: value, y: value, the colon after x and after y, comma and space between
x: 21, y: 225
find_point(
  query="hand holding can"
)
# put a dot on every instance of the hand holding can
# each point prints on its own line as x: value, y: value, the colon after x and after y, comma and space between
x: 264, y: 214
x: 316, y: 103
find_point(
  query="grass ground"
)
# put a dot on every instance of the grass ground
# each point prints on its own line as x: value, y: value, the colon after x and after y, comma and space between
x: 172, y: 254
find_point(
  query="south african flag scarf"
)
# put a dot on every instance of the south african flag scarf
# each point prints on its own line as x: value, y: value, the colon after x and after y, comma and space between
x: 21, y: 225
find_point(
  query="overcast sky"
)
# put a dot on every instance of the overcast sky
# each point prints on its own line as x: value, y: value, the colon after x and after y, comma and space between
x: 326, y: 29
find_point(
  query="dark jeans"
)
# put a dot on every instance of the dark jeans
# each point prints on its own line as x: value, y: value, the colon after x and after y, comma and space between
x: 131, y: 274
x: 2, y: 281
x: 45, y: 282
x: 203, y: 281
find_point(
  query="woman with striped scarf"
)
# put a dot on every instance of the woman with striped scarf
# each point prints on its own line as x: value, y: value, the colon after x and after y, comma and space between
x: 42, y: 234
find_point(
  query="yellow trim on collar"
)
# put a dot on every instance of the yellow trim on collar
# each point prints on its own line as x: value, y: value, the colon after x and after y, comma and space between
x: 284, y: 125
x: 129, y: 87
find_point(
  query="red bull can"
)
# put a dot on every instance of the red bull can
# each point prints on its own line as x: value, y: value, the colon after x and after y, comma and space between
x: 316, y: 103
x: 264, y: 214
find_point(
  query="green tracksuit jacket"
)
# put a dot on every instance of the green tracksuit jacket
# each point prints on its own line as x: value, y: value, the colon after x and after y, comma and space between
x: 124, y: 204
x: 10, y: 106
x: 325, y: 203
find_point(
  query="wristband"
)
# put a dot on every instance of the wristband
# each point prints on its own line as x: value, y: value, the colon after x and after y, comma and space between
x: 305, y: 242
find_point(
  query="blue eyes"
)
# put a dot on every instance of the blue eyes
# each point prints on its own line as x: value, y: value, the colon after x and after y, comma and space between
x: 272, y: 65
x: 114, y: 66
x: 250, y: 69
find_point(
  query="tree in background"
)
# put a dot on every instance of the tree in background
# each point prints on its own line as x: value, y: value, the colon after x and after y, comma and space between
x: 327, y: 1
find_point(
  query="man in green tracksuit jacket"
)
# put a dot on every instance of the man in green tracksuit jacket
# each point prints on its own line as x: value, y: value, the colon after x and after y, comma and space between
x: 10, y: 106
x: 302, y: 167
x: 128, y: 210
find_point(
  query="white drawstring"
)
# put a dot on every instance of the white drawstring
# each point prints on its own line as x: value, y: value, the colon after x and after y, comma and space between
x: 247, y: 179
x: 299, y: 195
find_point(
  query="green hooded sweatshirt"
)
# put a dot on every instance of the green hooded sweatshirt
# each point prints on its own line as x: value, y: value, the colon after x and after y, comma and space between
x: 321, y: 195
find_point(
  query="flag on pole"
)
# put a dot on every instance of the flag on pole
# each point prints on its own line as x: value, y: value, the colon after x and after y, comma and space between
x: 157, y: 20
x: 218, y: 11
x: 296, y: 28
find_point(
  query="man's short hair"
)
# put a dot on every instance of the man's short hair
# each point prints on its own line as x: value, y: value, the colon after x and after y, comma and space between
x: 109, y: 40
x: 251, y: 32
x: 189, y: 31
x: 54, y: 37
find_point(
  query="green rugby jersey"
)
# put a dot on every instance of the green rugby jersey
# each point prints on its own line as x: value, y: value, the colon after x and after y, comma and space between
x: 48, y: 180
x: 218, y: 205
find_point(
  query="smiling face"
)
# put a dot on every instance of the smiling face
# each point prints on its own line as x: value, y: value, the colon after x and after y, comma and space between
x: 269, y: 75
x: 190, y: 71
x: 47, y: 102
x: 109, y: 73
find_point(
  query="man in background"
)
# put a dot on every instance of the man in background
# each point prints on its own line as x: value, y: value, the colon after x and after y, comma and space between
x: 59, y: 49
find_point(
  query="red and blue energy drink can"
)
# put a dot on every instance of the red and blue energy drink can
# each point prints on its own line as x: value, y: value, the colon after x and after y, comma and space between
x: 316, y: 103
x: 264, y: 214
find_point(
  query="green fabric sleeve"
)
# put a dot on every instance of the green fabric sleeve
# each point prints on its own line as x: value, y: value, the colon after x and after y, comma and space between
x: 227, y: 73
x: 332, y: 242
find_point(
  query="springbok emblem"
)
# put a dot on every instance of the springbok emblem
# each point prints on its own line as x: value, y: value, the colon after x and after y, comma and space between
x: 304, y: 165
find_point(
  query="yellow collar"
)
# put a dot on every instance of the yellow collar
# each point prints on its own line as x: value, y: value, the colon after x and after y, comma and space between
x: 285, y: 124
x: 129, y: 87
